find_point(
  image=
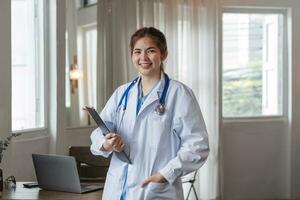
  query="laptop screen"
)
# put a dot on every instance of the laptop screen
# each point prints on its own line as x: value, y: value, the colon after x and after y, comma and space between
x: 56, y: 172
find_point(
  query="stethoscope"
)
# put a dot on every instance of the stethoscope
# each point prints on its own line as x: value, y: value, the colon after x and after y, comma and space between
x: 160, y: 108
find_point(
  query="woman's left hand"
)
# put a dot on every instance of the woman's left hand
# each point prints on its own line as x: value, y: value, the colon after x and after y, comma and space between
x: 158, y: 178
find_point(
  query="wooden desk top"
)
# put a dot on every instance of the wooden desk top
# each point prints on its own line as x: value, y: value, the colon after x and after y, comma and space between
x: 36, y: 193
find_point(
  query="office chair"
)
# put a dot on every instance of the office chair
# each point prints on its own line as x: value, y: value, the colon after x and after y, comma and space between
x: 190, y: 178
x: 90, y: 168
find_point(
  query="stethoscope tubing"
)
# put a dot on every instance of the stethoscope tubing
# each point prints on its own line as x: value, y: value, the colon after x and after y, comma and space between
x: 160, y: 108
x: 125, y: 94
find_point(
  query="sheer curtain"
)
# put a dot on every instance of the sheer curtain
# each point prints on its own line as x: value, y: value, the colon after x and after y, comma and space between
x: 116, y: 22
x: 190, y: 28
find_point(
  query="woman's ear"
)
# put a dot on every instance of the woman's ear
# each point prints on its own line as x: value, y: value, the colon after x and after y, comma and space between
x: 164, y: 56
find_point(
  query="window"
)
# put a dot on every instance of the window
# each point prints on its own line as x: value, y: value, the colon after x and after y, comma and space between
x: 253, y: 64
x: 81, y: 45
x: 27, y: 64
x: 90, y: 55
x: 87, y: 51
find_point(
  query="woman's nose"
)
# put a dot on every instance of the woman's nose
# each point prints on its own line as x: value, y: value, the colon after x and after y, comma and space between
x: 144, y: 55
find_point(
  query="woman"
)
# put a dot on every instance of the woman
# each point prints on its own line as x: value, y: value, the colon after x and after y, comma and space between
x: 156, y: 122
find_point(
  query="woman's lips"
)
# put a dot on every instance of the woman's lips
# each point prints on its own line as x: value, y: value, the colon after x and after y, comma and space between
x: 145, y: 65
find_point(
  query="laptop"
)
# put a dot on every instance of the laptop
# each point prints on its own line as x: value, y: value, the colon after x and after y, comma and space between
x: 59, y: 173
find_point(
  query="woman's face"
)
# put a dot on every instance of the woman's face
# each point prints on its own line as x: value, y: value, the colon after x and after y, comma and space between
x: 146, y: 57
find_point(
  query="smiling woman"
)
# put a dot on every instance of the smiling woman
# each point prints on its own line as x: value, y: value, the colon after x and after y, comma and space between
x: 157, y: 122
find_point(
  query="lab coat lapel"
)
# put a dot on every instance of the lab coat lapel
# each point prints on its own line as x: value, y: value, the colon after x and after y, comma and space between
x: 155, y: 95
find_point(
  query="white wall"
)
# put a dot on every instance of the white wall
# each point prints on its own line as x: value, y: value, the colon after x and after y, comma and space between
x: 5, y: 79
x: 21, y: 150
x: 295, y: 102
x: 256, y: 160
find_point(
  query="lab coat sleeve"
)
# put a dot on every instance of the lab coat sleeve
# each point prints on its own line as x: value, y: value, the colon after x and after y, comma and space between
x: 108, y: 115
x: 189, y: 125
x: 97, y: 141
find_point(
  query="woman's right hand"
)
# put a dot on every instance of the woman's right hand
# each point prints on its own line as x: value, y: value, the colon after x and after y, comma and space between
x: 113, y: 142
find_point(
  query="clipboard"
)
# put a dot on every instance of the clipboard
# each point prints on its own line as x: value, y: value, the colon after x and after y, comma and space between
x: 94, y: 114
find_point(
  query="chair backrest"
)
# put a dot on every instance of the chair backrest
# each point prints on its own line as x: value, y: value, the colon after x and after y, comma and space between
x: 90, y: 168
x: 189, y: 178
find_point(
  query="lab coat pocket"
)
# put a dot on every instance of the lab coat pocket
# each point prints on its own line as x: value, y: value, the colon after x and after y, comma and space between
x: 158, y: 187
x: 161, y: 191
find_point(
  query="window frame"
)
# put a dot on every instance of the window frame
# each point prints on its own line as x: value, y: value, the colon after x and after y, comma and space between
x: 42, y: 46
x: 285, y: 59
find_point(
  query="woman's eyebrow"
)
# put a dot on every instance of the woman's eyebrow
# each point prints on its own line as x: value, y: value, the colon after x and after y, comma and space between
x: 150, y: 48
x: 139, y: 49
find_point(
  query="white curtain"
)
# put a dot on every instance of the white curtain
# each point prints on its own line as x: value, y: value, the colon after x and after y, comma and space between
x: 190, y: 29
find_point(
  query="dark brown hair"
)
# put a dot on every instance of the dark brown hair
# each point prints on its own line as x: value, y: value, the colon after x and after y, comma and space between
x: 157, y: 36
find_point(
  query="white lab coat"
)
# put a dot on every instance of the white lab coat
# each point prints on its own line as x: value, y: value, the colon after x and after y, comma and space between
x: 173, y: 144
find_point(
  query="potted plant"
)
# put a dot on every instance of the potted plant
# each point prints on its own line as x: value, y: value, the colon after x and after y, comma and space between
x: 3, y: 146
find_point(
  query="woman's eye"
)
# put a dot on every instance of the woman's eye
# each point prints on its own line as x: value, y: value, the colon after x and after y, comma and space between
x: 151, y: 51
x: 136, y: 52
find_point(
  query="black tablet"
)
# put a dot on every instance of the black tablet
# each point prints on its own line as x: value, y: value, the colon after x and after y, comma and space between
x: 94, y: 114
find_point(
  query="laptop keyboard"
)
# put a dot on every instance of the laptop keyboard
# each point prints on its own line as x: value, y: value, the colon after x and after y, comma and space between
x: 89, y: 186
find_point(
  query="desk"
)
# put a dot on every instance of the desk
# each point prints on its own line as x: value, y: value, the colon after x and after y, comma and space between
x: 36, y: 193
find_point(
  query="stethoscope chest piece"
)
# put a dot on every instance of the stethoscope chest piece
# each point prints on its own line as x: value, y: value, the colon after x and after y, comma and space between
x: 160, y: 109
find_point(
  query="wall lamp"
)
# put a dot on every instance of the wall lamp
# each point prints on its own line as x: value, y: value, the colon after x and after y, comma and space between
x: 75, y: 75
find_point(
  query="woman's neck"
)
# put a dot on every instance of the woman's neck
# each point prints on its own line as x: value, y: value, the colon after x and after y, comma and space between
x: 148, y: 83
